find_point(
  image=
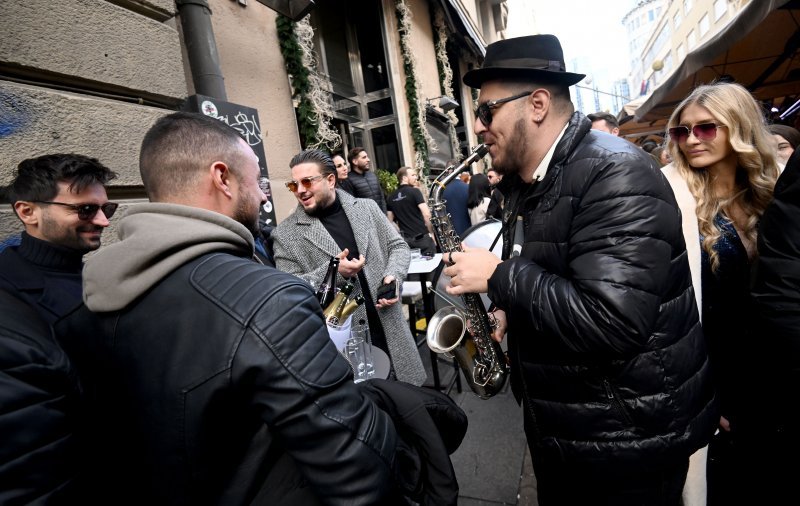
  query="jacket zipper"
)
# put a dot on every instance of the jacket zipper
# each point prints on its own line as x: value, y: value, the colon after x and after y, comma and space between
x: 615, y: 401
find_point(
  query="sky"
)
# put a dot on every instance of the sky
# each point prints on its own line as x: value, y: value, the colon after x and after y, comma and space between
x: 589, y: 31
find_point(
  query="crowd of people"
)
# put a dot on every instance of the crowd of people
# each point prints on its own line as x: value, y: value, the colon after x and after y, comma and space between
x: 650, y: 302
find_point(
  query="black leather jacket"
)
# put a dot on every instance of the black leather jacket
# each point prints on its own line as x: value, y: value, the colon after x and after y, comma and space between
x: 220, y: 386
x: 606, y: 347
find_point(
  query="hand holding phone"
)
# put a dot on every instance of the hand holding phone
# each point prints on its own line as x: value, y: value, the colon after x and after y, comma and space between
x: 388, y: 291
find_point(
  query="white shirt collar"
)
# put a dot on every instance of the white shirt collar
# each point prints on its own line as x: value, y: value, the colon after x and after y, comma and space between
x: 541, y: 170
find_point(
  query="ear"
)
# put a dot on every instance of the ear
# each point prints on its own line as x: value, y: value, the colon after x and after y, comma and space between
x: 27, y: 212
x: 221, y: 178
x: 540, y: 100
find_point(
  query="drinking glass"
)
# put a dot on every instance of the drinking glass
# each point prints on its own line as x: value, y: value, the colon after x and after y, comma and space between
x: 359, y: 352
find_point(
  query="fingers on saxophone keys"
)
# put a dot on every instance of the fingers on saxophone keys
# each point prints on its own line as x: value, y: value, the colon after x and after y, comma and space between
x: 450, y: 260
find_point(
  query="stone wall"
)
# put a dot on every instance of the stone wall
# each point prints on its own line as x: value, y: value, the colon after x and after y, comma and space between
x: 88, y: 77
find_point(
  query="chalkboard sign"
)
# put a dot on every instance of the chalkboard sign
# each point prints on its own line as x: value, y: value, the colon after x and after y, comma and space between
x: 245, y: 121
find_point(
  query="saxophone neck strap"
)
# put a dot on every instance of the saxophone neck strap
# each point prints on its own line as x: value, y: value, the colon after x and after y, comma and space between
x: 511, y: 218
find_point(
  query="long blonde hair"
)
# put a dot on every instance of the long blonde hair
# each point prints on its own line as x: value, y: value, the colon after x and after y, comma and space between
x: 757, y: 170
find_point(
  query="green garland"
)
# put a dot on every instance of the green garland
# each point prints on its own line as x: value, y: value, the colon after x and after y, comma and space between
x: 307, y: 122
x: 412, y: 95
x: 441, y: 42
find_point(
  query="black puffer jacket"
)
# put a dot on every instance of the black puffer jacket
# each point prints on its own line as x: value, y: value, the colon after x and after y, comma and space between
x: 606, y: 347
x: 367, y: 186
x: 38, y: 410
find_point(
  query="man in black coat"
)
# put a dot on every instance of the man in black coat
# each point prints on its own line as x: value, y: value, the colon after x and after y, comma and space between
x: 607, y: 353
x: 209, y: 377
x: 364, y: 182
x: 61, y: 200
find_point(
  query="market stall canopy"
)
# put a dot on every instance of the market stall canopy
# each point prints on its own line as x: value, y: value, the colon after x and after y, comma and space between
x: 758, y: 49
x: 629, y: 127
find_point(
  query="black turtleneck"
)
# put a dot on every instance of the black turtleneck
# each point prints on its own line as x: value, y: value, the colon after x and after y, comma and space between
x: 335, y: 221
x: 45, y: 275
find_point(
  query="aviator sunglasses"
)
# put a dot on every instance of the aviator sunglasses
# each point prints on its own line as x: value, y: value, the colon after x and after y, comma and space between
x: 484, y: 111
x: 306, y: 182
x: 86, y: 212
x: 702, y: 131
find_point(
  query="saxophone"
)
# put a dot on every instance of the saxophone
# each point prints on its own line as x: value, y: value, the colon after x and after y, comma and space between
x: 478, y: 355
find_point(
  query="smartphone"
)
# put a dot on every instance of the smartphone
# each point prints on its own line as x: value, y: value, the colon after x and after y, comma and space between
x: 388, y: 291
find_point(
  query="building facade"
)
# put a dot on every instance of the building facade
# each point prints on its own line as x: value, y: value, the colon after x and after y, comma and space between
x: 91, y: 76
x: 683, y: 26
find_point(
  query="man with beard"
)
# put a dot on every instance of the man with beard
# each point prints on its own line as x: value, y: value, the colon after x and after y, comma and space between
x: 61, y: 200
x: 329, y: 222
x: 364, y: 182
x: 607, y: 354
x: 209, y: 377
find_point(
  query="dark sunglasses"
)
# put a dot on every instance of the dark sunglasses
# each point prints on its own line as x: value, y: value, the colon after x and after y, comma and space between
x: 702, y: 131
x: 484, y: 111
x: 306, y: 182
x: 86, y: 212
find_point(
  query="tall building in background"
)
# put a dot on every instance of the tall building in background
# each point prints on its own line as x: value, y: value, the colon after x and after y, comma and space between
x: 683, y: 26
x: 640, y: 24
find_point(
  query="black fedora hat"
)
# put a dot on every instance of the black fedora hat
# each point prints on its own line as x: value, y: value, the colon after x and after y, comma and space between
x: 534, y: 56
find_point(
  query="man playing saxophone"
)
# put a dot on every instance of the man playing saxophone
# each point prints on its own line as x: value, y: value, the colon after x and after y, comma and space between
x: 594, y: 291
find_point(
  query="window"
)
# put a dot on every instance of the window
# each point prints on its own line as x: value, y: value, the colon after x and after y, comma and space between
x: 720, y: 8
x: 703, y: 25
x: 681, y: 52
x: 687, y: 6
x: 690, y: 40
x: 676, y: 20
x: 651, y: 15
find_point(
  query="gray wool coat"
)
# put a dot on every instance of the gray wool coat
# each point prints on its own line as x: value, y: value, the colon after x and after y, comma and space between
x: 303, y: 247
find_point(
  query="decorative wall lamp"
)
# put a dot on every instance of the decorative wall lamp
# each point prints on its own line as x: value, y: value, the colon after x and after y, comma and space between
x: 445, y: 103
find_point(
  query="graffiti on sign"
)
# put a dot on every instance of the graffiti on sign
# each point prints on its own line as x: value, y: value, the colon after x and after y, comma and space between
x: 245, y: 121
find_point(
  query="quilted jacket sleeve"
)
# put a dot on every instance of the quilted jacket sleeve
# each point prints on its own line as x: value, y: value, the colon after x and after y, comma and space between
x: 342, y: 443
x: 38, y: 392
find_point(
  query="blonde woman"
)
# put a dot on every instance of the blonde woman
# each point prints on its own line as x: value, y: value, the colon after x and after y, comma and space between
x: 723, y: 172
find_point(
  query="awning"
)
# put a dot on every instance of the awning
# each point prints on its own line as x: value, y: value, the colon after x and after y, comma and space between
x: 461, y: 25
x: 759, y: 49
x: 629, y: 127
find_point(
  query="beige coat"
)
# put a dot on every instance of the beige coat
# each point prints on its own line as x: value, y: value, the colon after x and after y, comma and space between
x: 696, y: 488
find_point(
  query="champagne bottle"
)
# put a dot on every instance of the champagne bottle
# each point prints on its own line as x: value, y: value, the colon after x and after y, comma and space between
x: 327, y: 289
x: 334, y: 309
x: 351, y: 306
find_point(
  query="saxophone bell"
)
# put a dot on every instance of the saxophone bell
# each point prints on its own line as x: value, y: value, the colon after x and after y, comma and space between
x: 447, y: 328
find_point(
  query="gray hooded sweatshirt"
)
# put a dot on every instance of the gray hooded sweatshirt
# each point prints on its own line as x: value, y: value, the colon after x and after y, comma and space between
x: 156, y: 239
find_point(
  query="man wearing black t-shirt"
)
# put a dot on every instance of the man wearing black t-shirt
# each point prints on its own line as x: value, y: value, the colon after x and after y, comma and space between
x: 407, y: 208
